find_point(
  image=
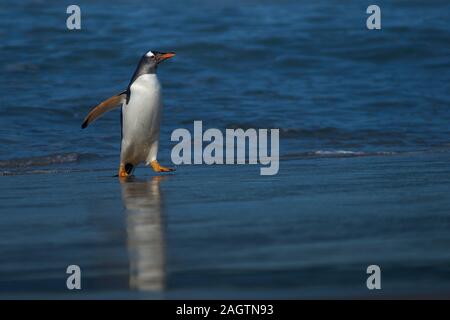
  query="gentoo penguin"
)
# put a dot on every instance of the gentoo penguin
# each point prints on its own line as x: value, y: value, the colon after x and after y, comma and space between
x: 140, y: 117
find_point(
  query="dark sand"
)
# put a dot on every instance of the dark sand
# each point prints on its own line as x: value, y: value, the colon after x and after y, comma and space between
x: 227, y: 232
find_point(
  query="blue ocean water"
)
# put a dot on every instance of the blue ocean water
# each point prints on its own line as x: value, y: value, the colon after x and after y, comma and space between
x: 364, y: 144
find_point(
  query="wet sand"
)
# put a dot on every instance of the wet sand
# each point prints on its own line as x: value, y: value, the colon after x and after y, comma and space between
x: 227, y: 232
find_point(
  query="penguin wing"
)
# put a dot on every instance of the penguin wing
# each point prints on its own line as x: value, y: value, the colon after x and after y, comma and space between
x: 103, y: 107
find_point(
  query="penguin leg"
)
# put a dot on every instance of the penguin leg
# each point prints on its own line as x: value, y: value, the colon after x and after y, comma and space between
x: 158, y: 168
x: 122, y: 172
x: 125, y: 169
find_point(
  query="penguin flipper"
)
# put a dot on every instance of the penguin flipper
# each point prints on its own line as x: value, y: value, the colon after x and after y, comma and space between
x: 105, y: 106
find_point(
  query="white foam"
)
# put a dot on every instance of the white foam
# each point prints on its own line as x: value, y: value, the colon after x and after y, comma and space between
x: 339, y: 152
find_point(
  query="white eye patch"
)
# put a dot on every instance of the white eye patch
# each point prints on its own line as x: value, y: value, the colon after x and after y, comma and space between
x: 149, y: 54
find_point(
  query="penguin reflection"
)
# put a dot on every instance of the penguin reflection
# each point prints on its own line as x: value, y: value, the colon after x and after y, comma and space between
x: 145, y: 233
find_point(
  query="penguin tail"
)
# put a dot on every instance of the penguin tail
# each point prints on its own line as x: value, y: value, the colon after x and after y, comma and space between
x: 105, y: 106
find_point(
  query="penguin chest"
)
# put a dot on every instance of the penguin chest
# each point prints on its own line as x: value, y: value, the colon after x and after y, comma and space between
x: 141, y: 116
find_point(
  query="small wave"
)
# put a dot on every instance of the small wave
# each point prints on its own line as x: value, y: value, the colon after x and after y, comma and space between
x: 335, y: 154
x: 351, y: 153
x: 26, y: 172
x: 40, y: 161
x: 21, y: 172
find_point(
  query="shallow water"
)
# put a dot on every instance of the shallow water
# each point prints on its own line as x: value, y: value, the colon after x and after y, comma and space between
x: 364, y: 147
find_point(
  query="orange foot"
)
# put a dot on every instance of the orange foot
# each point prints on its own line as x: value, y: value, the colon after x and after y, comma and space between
x: 122, y: 172
x: 158, y: 168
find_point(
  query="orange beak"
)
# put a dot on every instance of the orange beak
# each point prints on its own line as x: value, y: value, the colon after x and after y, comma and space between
x: 164, y: 56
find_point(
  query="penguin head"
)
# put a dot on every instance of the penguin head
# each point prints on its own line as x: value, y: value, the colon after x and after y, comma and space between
x: 152, y: 58
x: 149, y: 62
x: 158, y: 57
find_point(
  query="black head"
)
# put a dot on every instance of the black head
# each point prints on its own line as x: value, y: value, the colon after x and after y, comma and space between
x: 151, y: 59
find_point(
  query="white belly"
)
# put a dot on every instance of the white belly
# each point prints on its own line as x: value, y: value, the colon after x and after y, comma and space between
x: 141, y: 121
